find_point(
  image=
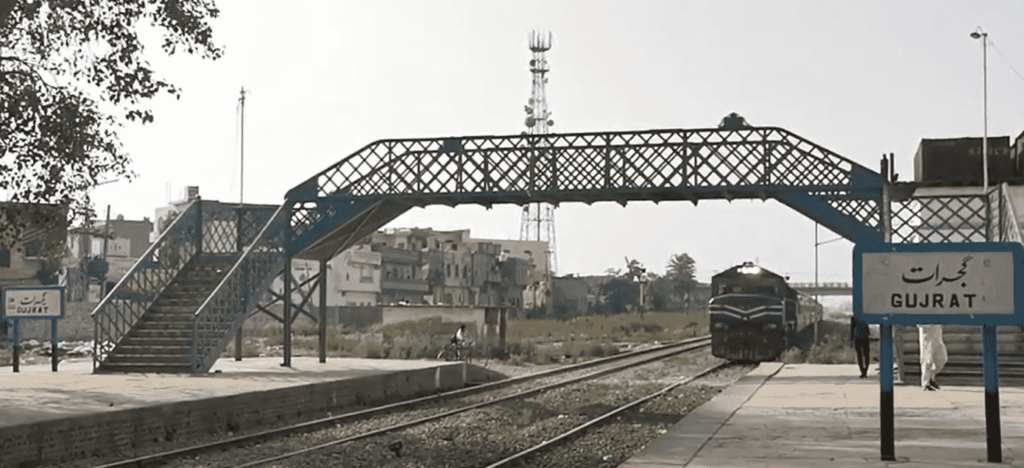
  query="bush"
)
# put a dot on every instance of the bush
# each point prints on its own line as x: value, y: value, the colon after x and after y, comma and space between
x: 273, y: 335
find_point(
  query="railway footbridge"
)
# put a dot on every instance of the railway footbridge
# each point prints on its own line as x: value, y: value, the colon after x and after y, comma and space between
x: 160, y: 317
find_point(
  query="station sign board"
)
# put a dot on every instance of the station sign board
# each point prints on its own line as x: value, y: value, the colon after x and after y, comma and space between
x: 953, y: 284
x: 29, y: 302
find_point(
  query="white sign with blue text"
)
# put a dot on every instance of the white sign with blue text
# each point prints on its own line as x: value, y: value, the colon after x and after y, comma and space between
x: 967, y: 284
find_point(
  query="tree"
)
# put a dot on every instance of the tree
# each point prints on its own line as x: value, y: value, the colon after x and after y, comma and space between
x: 681, y: 272
x: 71, y: 74
x: 619, y: 294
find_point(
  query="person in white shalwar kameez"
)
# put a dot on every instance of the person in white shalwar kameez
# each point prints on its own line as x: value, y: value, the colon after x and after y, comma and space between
x: 933, y: 355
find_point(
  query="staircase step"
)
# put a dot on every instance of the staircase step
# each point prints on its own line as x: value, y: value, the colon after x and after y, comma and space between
x: 147, y: 325
x: 163, y: 310
x: 158, y: 333
x: 178, y: 359
x: 145, y: 368
x: 149, y: 349
x: 158, y: 341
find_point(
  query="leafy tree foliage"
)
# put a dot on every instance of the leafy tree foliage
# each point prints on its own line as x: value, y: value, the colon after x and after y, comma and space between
x: 682, y: 268
x: 619, y: 294
x: 681, y: 273
x: 72, y: 73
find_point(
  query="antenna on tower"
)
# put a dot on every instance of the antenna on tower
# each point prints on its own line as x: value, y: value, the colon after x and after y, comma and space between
x: 538, y: 219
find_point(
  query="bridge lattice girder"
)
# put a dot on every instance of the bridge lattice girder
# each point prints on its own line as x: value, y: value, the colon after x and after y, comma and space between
x: 365, y: 190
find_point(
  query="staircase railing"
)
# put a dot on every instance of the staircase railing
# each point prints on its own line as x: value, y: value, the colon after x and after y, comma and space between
x: 122, y: 307
x: 1010, y: 227
x: 227, y: 308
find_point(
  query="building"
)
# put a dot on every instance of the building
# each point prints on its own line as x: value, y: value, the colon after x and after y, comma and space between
x: 354, y: 278
x: 569, y: 296
x: 537, y: 282
x: 32, y: 254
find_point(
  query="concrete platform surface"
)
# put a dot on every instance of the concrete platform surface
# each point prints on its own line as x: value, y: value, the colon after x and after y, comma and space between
x: 809, y: 415
x: 38, y: 394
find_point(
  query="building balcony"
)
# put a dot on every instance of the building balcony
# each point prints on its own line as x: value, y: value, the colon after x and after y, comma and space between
x: 399, y: 256
x: 404, y: 285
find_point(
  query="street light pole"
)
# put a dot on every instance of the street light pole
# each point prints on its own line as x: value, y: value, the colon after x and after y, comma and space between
x: 816, y: 244
x: 980, y: 34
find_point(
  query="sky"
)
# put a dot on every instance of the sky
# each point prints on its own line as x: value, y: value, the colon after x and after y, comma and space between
x: 325, y: 78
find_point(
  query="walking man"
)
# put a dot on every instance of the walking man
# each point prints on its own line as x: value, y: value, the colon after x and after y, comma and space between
x: 859, y: 335
x: 933, y: 355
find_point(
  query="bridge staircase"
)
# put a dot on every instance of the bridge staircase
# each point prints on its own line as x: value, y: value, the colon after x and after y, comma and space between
x: 964, y: 343
x: 183, y: 301
x: 161, y: 340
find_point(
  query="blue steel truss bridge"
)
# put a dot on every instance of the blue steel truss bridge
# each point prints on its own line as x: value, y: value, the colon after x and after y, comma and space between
x: 188, y: 296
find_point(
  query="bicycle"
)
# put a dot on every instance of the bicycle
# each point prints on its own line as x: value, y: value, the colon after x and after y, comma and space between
x: 455, y: 352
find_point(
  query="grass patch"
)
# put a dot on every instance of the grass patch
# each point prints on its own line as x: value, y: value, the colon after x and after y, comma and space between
x: 541, y: 341
x: 833, y: 347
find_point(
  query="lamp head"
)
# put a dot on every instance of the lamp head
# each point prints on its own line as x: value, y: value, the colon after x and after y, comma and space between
x: 975, y: 35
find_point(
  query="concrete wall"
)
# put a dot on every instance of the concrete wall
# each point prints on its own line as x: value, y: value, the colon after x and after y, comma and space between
x: 87, y: 436
x: 75, y: 326
x: 447, y: 314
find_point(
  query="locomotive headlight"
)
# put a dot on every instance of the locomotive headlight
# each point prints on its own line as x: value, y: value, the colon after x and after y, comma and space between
x: 750, y: 269
x: 720, y: 326
x: 771, y: 326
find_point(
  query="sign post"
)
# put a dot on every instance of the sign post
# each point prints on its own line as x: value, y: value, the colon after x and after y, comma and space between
x: 950, y: 284
x: 993, y: 431
x: 885, y: 399
x: 33, y: 302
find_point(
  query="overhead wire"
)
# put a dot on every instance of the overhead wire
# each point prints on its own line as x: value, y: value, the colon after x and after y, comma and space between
x: 1005, y: 60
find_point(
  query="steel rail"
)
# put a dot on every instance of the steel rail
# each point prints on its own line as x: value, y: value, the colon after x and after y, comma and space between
x: 602, y: 418
x: 452, y: 394
x: 706, y: 341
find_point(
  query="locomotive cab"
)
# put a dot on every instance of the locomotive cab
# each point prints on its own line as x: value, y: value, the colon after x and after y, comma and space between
x: 752, y: 314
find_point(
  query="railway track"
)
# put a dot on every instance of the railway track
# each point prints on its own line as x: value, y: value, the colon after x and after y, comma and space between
x: 524, y: 454
x: 442, y: 406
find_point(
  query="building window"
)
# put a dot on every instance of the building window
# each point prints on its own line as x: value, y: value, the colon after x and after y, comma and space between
x: 346, y: 277
x: 464, y: 270
x: 5, y: 258
x: 449, y: 268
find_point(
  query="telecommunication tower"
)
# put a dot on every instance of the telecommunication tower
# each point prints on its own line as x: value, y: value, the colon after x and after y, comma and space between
x: 538, y: 219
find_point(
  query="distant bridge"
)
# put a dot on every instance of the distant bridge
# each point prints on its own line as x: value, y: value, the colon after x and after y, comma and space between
x: 824, y: 289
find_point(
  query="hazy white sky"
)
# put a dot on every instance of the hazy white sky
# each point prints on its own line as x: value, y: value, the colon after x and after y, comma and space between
x: 328, y: 77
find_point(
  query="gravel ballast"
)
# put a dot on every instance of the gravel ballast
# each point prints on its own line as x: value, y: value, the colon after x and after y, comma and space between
x: 482, y: 436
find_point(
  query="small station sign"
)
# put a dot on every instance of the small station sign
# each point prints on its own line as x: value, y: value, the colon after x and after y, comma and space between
x: 32, y: 302
x: 953, y: 284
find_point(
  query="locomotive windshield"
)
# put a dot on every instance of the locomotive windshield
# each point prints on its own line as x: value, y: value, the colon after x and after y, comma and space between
x: 744, y: 302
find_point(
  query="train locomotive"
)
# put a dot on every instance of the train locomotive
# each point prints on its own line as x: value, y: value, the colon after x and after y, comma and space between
x: 755, y: 315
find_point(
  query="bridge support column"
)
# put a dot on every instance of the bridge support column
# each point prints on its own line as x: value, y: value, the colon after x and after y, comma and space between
x: 287, y: 313
x: 502, y: 323
x: 322, y: 284
x: 238, y: 345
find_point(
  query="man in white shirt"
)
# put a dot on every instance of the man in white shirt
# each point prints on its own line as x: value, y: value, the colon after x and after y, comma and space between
x: 933, y: 355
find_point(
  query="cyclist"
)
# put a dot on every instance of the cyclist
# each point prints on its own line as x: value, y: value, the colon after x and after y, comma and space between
x: 459, y: 340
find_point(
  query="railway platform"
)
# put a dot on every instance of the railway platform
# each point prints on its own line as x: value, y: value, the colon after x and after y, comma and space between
x: 52, y: 416
x: 808, y: 415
